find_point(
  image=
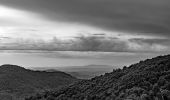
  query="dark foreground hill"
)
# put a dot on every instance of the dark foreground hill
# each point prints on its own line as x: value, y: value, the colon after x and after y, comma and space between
x: 17, y: 82
x: 146, y: 80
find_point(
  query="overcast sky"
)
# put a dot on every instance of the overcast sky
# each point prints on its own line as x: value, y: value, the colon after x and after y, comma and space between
x: 133, y: 25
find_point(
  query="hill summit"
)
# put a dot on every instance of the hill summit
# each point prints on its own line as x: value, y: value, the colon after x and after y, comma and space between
x: 146, y: 80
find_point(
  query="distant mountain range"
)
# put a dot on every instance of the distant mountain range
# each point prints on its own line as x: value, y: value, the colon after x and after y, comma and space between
x: 146, y: 80
x: 81, y: 72
x: 17, y: 82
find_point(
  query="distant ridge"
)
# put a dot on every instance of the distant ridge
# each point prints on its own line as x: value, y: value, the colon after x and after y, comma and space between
x: 17, y: 82
x: 146, y: 80
x: 80, y: 72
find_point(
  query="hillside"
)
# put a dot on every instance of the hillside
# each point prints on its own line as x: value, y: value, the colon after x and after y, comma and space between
x: 17, y: 82
x: 146, y: 80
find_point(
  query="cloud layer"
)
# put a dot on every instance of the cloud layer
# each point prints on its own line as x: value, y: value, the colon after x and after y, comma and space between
x: 149, y: 17
x: 90, y: 43
x: 132, y: 25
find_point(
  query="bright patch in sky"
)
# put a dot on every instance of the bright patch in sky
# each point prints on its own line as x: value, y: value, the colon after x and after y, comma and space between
x: 23, y: 24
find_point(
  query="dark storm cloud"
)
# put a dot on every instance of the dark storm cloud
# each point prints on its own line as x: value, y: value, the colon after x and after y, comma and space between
x: 97, y: 43
x: 149, y: 17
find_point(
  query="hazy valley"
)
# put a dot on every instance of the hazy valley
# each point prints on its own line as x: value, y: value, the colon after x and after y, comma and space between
x: 81, y: 72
